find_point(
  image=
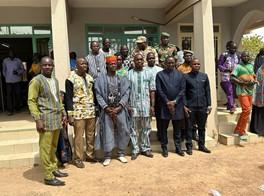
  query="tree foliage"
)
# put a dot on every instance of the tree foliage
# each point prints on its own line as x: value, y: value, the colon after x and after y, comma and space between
x: 252, y: 44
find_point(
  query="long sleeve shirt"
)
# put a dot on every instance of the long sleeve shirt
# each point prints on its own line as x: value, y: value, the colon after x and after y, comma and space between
x: 198, y: 93
x: 96, y: 64
x: 9, y: 67
x: 79, y: 97
x: 44, y: 102
x: 102, y: 91
x: 226, y: 64
x: 170, y: 86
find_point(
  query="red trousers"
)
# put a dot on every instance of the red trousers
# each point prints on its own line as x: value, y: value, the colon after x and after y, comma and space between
x: 246, y: 104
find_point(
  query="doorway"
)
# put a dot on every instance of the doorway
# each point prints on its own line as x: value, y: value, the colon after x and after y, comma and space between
x: 22, y: 47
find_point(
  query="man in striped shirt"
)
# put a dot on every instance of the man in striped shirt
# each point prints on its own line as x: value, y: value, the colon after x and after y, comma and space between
x: 96, y: 61
x: 47, y: 110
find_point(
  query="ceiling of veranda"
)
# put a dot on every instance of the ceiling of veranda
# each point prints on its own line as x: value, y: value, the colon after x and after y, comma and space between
x: 114, y: 3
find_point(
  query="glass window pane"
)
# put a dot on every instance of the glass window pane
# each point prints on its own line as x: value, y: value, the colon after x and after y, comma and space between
x: 40, y: 30
x: 21, y: 30
x: 216, y: 29
x: 4, y: 30
x: 95, y: 30
x: 131, y: 44
x: 90, y: 39
x: 150, y: 30
x: 133, y: 30
x: 189, y: 39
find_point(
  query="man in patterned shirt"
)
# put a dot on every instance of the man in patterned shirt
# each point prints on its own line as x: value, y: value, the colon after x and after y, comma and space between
x: 143, y: 49
x: 79, y: 100
x: 142, y: 102
x: 227, y: 63
x: 127, y: 61
x: 47, y: 110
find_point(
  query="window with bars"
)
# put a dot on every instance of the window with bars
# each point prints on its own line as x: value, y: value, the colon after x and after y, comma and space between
x: 121, y: 34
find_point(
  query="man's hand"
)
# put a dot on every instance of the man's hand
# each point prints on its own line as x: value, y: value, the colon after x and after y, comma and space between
x: 40, y: 126
x: 209, y: 109
x: 130, y: 110
x: 117, y: 109
x: 71, y: 120
x: 171, y: 106
x: 64, y: 120
x: 187, y: 111
x: 108, y: 110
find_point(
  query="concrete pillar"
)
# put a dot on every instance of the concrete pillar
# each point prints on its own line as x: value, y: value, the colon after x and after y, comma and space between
x: 204, y: 50
x: 60, y: 40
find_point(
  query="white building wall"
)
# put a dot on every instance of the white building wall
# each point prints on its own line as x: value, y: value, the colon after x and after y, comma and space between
x: 82, y: 16
x: 24, y: 15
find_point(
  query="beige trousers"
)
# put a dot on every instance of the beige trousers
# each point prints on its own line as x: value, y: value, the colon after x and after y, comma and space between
x: 82, y: 126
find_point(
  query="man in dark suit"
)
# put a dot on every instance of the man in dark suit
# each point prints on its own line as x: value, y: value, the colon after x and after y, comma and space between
x: 170, y: 89
x: 197, y: 104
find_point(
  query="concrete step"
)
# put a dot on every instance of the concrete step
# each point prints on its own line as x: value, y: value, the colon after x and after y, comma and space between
x: 19, y: 146
x: 225, y: 116
x: 229, y: 127
x: 231, y: 139
x: 18, y: 134
x: 19, y: 160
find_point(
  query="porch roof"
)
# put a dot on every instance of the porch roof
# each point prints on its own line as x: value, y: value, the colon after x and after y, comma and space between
x: 114, y: 3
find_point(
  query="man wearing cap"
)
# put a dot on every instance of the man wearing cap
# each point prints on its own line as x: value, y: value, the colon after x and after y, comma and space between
x: 112, y: 93
x: 165, y: 49
x: 186, y: 66
x: 143, y: 49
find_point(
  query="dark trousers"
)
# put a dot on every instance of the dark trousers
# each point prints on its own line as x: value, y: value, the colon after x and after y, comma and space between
x: 176, y: 132
x: 198, y: 117
x: 158, y: 123
x: 188, y: 134
x: 13, y: 96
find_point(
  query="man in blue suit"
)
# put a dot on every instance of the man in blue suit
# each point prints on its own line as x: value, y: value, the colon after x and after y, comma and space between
x: 170, y: 89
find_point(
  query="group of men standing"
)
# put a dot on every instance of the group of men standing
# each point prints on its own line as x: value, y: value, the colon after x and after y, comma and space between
x: 123, y: 93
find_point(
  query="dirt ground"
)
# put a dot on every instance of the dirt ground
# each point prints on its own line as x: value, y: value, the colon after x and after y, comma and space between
x: 230, y: 170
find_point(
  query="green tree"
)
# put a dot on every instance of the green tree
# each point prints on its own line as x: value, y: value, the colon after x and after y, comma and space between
x: 252, y: 44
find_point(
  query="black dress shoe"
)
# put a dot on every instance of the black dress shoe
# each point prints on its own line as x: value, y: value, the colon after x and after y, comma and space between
x: 189, y: 151
x: 54, y: 182
x: 180, y: 152
x: 147, y: 154
x: 91, y: 160
x: 134, y: 156
x: 164, y: 152
x: 204, y: 149
x: 59, y: 174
